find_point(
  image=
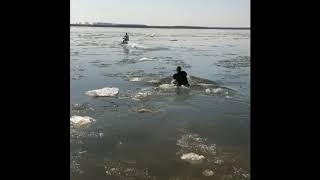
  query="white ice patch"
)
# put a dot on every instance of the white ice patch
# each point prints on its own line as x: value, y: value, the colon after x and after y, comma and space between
x: 185, y: 87
x: 170, y: 86
x: 153, y: 81
x: 192, y: 157
x: 144, y: 110
x: 136, y: 46
x: 135, y: 79
x: 142, y: 94
x: 145, y: 59
x: 103, y: 92
x: 217, y: 90
x: 167, y: 86
x: 246, y: 175
x: 194, y: 143
x: 218, y: 161
x: 204, y: 84
x: 208, y: 172
x: 81, y: 120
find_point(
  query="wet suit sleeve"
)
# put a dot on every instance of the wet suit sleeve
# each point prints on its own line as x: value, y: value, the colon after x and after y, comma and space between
x: 184, y: 74
x: 185, y: 80
x: 174, y: 76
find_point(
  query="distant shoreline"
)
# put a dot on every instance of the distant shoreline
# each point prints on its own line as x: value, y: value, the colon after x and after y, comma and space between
x: 161, y: 27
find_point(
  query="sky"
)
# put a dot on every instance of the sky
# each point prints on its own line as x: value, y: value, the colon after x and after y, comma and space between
x: 222, y: 13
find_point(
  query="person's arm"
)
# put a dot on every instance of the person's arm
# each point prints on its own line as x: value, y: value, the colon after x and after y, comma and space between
x: 175, y: 78
x: 184, y: 73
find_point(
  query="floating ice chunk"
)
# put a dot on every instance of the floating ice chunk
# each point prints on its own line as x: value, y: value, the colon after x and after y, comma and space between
x: 112, y: 171
x: 211, y: 149
x: 135, y: 79
x: 245, y: 175
x: 103, y: 92
x: 208, y: 172
x: 82, y: 152
x: 145, y: 59
x: 154, y: 81
x: 217, y: 90
x: 218, y: 161
x: 167, y: 86
x: 204, y: 84
x: 136, y: 46
x: 81, y: 120
x: 228, y: 97
x: 194, y: 143
x: 192, y: 157
x: 144, y: 110
x: 142, y: 94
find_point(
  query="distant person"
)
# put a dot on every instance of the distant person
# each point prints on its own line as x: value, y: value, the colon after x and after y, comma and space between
x: 180, y: 78
x: 126, y: 39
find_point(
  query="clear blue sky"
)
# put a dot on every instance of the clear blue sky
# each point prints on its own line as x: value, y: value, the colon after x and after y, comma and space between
x: 232, y: 13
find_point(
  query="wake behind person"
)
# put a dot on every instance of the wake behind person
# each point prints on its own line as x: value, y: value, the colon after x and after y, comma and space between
x: 125, y: 39
x: 180, y: 78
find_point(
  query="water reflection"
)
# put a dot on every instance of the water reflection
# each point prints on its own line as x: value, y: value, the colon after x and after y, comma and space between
x: 182, y: 94
x: 125, y: 50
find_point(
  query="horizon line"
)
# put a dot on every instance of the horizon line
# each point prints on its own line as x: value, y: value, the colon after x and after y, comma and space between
x: 153, y: 26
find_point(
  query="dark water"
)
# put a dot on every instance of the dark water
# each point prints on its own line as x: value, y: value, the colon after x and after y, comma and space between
x: 143, y: 132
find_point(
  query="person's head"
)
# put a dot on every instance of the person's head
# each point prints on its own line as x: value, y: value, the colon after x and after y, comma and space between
x: 178, y: 69
x: 126, y: 33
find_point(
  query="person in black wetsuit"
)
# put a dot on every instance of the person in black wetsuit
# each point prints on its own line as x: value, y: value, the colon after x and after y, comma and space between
x: 126, y: 39
x: 180, y: 78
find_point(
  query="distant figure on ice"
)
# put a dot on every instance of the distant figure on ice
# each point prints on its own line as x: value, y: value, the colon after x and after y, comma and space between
x: 125, y: 39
